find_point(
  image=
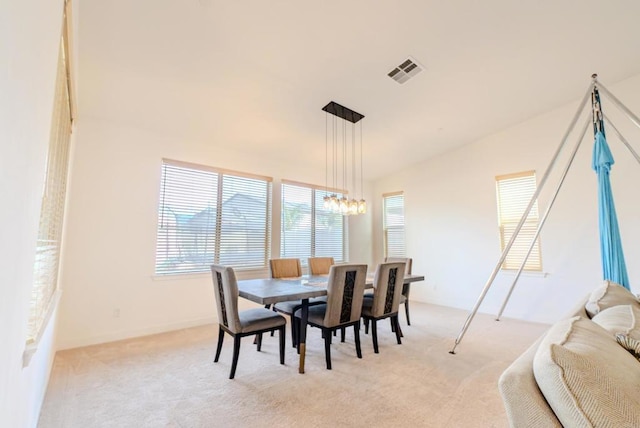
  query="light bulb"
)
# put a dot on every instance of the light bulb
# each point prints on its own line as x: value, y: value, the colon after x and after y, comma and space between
x: 353, y: 207
x: 362, y: 206
x: 335, y: 205
x: 344, y: 205
x: 326, y: 202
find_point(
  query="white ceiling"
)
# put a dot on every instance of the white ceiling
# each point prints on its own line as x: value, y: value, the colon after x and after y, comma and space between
x: 254, y: 74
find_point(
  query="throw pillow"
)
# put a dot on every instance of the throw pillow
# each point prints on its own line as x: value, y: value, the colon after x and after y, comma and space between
x: 630, y: 344
x: 586, y: 377
x: 623, y: 319
x: 608, y: 295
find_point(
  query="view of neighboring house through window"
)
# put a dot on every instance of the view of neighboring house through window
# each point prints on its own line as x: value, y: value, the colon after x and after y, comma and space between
x: 309, y: 230
x: 514, y: 192
x: 211, y: 216
x: 393, y: 224
x: 47, y: 259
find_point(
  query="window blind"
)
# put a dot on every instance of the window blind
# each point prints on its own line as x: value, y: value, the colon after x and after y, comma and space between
x: 47, y: 258
x: 307, y: 229
x: 514, y: 191
x: 393, y: 225
x: 207, y: 215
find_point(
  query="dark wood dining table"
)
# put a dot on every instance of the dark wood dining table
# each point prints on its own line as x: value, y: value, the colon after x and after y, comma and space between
x: 269, y: 291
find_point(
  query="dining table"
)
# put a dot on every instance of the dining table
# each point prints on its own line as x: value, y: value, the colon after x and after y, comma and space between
x: 268, y: 291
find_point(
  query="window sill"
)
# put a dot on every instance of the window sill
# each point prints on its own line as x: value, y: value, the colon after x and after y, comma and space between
x: 32, y: 346
x: 530, y: 274
x: 249, y: 273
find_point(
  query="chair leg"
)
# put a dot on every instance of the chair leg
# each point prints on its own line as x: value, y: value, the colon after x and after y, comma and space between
x: 342, y: 334
x: 396, y: 321
x: 356, y: 334
x: 236, y: 353
x: 298, y: 333
x: 374, y: 335
x: 259, y: 336
x: 366, y: 326
x: 393, y: 325
x: 283, y: 335
x: 273, y: 309
x: 294, y: 332
x: 327, y: 348
x: 406, y: 311
x: 398, y: 328
x: 220, y: 340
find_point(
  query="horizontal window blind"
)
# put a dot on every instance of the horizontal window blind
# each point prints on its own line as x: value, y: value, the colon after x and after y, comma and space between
x: 514, y: 192
x: 393, y: 224
x: 209, y: 216
x: 329, y: 230
x: 307, y: 229
x: 47, y: 259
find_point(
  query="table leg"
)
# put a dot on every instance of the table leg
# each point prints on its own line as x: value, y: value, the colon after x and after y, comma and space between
x: 302, y: 333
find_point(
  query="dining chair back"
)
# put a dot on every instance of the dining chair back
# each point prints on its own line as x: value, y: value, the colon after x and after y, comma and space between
x: 226, y: 289
x: 345, y: 290
x: 385, y: 301
x: 408, y: 261
x: 241, y: 323
x: 320, y: 265
x: 387, y: 285
x: 285, y: 268
x: 406, y: 288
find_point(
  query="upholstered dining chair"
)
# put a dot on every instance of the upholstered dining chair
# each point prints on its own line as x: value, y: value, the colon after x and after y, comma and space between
x: 345, y: 290
x: 320, y: 265
x: 285, y: 268
x: 241, y: 323
x: 406, y: 288
x: 387, y: 286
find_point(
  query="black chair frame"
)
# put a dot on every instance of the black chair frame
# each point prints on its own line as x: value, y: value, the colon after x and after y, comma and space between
x: 236, y: 343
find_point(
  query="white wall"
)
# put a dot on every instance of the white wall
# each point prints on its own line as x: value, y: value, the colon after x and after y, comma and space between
x: 451, y: 219
x: 110, y: 246
x: 29, y: 34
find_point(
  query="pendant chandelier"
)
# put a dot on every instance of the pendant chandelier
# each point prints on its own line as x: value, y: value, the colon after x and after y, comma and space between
x: 343, y: 122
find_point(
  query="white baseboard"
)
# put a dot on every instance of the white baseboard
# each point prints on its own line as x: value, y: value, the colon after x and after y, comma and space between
x: 129, y: 334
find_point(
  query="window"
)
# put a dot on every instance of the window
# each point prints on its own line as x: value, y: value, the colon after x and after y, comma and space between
x: 307, y: 229
x: 207, y: 215
x: 393, y: 224
x: 47, y: 259
x: 514, y: 192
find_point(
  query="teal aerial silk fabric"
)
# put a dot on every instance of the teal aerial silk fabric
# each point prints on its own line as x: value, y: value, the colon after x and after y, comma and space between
x: 613, y: 265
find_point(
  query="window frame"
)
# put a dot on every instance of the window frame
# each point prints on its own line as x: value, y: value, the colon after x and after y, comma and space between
x: 45, y: 289
x: 398, y: 228
x: 314, y: 208
x: 507, y: 221
x: 219, y: 236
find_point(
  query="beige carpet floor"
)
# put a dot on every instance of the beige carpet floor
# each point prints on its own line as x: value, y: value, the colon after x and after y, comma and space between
x: 170, y: 380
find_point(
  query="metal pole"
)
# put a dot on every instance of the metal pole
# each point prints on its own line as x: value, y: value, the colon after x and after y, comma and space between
x: 622, y: 107
x: 624, y: 140
x: 544, y: 217
x: 543, y: 180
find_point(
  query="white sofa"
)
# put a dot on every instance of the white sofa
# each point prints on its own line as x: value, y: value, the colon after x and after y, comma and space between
x: 578, y: 374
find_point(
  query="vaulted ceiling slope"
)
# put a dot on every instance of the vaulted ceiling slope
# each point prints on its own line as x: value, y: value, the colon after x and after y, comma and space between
x: 255, y: 74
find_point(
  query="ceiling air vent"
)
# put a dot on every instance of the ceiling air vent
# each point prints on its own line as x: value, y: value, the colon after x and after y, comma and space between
x: 405, y: 71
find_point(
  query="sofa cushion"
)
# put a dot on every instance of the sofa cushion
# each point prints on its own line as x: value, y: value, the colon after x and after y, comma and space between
x: 630, y: 344
x: 608, y: 295
x: 623, y: 319
x: 586, y: 377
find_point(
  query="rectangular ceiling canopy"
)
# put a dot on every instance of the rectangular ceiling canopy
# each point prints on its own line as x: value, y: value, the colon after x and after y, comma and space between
x: 343, y: 112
